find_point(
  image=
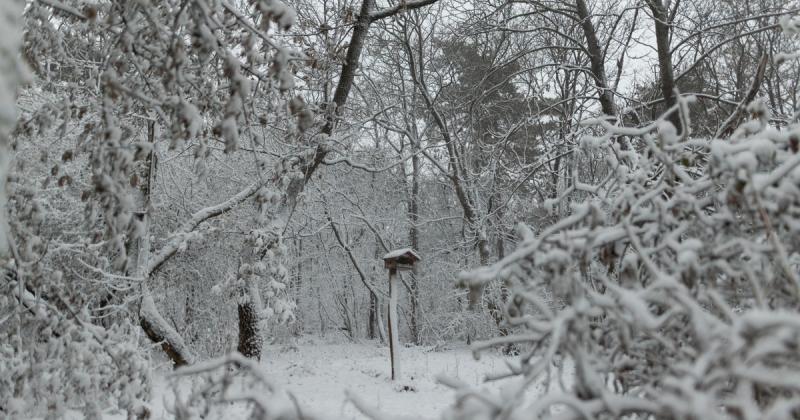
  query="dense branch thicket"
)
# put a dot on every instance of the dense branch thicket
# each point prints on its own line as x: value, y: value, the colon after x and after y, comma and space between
x: 119, y: 85
x: 675, y: 281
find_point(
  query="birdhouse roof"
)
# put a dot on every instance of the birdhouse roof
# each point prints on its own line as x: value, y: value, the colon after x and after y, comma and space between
x: 402, y: 252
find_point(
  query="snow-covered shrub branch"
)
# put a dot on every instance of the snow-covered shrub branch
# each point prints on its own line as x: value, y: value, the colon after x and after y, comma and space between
x: 676, y: 282
x: 230, y: 382
x: 72, y: 363
x: 13, y: 73
x: 117, y: 85
x: 189, y: 68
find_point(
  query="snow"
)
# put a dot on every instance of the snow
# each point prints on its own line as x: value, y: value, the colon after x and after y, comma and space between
x: 162, y: 328
x: 400, y: 252
x: 320, y: 372
x: 11, y: 74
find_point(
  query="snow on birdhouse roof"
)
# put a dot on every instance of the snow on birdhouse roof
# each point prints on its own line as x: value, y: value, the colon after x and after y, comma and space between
x: 397, y: 253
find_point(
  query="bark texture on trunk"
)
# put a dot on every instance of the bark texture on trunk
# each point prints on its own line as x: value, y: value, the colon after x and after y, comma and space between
x: 248, y: 310
x: 250, y: 341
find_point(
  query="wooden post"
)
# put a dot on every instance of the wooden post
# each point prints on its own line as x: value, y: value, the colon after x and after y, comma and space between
x: 397, y: 260
x: 394, y: 348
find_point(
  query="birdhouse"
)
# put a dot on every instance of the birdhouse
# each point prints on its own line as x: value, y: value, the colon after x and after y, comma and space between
x: 401, y: 259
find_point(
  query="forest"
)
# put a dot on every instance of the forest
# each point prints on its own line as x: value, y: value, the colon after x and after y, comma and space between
x: 262, y: 209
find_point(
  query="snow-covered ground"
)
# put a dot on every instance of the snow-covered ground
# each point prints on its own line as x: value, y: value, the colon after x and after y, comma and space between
x: 318, y: 375
x: 318, y: 372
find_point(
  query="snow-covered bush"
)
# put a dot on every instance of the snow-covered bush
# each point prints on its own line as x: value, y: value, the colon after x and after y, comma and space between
x: 71, y: 365
x: 229, y: 386
x: 116, y: 84
x: 13, y: 73
x: 679, y: 277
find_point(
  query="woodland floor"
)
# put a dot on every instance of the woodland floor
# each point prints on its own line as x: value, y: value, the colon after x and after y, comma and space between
x: 318, y: 375
x: 318, y: 372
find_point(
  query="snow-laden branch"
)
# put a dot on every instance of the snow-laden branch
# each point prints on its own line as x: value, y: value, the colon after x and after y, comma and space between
x: 249, y: 384
x: 179, y: 238
x: 230, y: 359
x: 11, y: 77
x: 401, y: 6
x: 673, y: 287
x: 63, y: 8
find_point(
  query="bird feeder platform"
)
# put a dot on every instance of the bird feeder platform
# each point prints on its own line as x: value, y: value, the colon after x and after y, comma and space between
x: 402, y: 259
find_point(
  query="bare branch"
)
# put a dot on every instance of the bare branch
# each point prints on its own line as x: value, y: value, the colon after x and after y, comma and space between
x: 400, y: 7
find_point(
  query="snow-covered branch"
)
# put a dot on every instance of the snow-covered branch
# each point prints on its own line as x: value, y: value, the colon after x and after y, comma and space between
x: 183, y: 234
x: 661, y: 292
x: 11, y: 77
x: 401, y: 6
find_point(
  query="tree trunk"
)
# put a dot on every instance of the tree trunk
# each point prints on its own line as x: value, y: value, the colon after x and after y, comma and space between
x: 250, y: 341
x: 248, y: 309
x: 597, y: 60
x: 154, y: 325
x: 346, y: 78
x: 159, y: 331
x: 413, y: 215
x: 372, y: 317
x: 297, y: 286
x: 476, y: 293
x: 376, y: 276
x: 662, y: 30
